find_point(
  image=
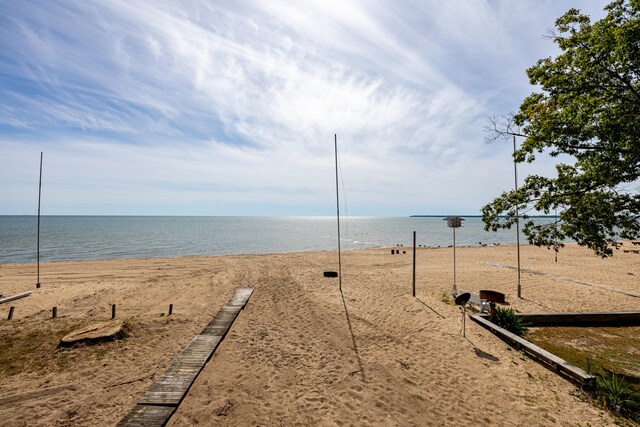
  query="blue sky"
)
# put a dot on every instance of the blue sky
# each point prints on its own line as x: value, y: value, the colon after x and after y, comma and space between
x: 229, y: 108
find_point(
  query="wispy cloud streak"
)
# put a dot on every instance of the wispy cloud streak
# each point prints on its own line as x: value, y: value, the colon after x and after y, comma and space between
x: 208, y: 107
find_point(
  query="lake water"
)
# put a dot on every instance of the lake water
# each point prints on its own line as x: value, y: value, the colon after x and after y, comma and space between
x: 65, y: 238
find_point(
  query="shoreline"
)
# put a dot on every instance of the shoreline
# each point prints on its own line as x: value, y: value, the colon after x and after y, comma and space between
x: 374, y: 248
x: 64, y: 238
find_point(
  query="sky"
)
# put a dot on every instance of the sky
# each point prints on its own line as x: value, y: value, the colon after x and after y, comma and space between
x: 230, y: 107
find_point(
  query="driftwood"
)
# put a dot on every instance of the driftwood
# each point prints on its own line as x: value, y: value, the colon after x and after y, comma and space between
x: 14, y: 297
x: 96, y: 332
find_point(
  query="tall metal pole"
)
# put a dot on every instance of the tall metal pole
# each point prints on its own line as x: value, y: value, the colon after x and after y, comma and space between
x: 414, y: 264
x: 335, y: 136
x: 455, y: 288
x: 38, y: 239
x: 515, y: 172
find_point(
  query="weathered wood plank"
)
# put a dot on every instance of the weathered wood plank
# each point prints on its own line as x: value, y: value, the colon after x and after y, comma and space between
x: 173, y: 384
x: 15, y: 297
x: 222, y: 321
x: 170, y: 388
x: 241, y: 297
x: 619, y: 318
x: 226, y: 315
x: 147, y: 416
x: 585, y: 379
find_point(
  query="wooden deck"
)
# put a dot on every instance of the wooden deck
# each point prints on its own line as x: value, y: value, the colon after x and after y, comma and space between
x: 615, y: 318
x: 161, y: 400
x: 550, y: 360
x: 147, y: 415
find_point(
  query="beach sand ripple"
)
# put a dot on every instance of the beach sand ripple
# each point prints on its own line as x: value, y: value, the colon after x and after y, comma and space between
x: 293, y: 357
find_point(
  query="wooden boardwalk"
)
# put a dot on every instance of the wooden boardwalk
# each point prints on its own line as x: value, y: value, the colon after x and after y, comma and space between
x: 161, y: 400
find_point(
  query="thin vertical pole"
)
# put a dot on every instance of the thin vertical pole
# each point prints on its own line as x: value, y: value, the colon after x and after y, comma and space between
x: 556, y: 225
x: 455, y: 287
x: 335, y: 136
x: 464, y: 320
x: 515, y: 174
x: 414, y: 264
x: 344, y: 303
x: 38, y: 238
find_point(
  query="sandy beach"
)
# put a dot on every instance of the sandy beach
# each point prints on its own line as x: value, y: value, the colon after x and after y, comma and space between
x: 293, y: 357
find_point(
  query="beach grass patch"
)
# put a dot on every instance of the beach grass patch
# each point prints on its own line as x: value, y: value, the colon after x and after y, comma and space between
x: 446, y: 298
x: 27, y: 349
x: 34, y: 348
x: 615, y: 393
x: 610, y: 353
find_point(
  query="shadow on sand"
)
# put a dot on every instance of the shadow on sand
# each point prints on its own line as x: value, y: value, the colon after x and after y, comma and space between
x: 353, y: 337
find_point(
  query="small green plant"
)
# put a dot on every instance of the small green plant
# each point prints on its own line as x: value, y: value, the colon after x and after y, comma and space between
x: 508, y: 319
x: 446, y: 298
x: 614, y: 392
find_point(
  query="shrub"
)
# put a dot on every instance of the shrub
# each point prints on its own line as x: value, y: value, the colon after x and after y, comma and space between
x: 508, y: 319
x: 615, y: 393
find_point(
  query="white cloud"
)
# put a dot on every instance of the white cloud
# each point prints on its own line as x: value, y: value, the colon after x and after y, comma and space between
x: 201, y: 107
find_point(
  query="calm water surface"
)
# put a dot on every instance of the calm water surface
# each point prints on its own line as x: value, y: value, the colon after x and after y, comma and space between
x: 64, y: 238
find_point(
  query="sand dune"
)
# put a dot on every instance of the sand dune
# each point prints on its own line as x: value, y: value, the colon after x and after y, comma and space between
x: 294, y: 356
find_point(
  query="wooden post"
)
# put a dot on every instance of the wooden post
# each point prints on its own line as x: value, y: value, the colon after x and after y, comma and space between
x: 11, y: 309
x: 414, y: 264
x: 170, y: 309
x: 54, y: 312
x: 113, y: 311
x: 464, y: 320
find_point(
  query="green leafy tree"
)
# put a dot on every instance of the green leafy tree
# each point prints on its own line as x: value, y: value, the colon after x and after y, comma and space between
x: 588, y: 107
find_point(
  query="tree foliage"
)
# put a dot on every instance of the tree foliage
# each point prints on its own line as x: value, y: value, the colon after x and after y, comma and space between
x: 588, y: 108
